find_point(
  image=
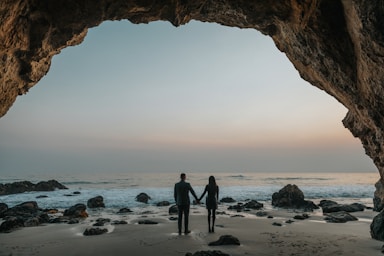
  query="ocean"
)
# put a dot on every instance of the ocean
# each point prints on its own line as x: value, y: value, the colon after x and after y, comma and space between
x: 119, y: 190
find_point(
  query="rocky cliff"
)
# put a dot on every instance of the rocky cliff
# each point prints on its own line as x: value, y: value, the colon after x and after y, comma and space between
x: 336, y: 45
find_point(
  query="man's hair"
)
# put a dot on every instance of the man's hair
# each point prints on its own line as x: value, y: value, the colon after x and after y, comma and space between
x: 182, y: 176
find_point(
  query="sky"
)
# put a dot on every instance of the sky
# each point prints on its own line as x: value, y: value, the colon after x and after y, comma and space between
x: 155, y: 98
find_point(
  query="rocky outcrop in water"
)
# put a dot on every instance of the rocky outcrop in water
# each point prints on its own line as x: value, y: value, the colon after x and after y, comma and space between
x: 27, y: 186
x: 291, y: 196
x: 336, y: 45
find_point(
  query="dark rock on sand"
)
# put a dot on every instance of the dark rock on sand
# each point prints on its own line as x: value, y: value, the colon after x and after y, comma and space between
x: 96, y: 202
x: 11, y: 224
x: 301, y: 217
x: 41, y: 196
x: 124, y: 210
x: 207, y: 253
x: 339, y: 217
x: 329, y: 206
x: 143, y: 198
x: 377, y: 227
x: 225, y: 240
x: 277, y: 224
x: 253, y: 204
x: 94, y: 231
x: 173, y: 210
x: 227, y: 200
x: 76, y: 211
x: 101, y: 221
x: 261, y: 214
x: 291, y: 196
x: 119, y: 222
x: 163, y: 203
x: 148, y: 222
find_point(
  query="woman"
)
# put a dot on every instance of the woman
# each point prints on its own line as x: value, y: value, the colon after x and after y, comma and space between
x: 211, y: 201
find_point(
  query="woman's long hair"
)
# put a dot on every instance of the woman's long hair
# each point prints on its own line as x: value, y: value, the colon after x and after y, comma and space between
x: 212, y: 181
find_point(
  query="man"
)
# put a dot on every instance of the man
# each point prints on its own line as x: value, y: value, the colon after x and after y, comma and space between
x: 181, y: 194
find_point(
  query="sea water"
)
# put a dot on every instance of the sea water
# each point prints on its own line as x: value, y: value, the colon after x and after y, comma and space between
x: 119, y: 190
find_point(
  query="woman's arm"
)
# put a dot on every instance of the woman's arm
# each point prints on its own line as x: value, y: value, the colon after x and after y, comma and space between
x: 205, y: 191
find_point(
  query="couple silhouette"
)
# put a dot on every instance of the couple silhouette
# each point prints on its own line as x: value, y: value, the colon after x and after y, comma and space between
x: 181, y: 194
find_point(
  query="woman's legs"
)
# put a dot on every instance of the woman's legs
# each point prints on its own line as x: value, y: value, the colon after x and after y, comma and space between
x: 213, y: 219
x: 209, y: 220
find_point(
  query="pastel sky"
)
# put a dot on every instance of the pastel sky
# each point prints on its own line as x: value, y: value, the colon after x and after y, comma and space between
x: 152, y: 97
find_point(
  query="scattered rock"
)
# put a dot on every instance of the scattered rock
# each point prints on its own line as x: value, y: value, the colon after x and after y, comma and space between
x: 119, y: 222
x: 291, y: 196
x: 101, y: 221
x: 143, y: 198
x: 42, y: 196
x: 173, y: 210
x: 207, y: 253
x: 73, y: 221
x: 329, y: 206
x: 163, y: 203
x: 277, y: 224
x: 124, y: 210
x: 339, y: 217
x: 237, y: 216
x: 11, y: 224
x: 148, y: 222
x: 96, y: 202
x: 227, y: 200
x: 94, y: 231
x: 289, y: 221
x: 173, y: 218
x: 76, y: 211
x: 225, y: 240
x: 301, y: 217
x: 254, y: 205
x: 261, y: 214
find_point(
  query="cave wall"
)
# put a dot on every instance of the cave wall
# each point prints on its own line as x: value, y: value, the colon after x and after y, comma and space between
x: 336, y: 45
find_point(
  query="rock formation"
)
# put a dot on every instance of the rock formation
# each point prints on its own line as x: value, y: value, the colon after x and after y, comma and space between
x: 336, y: 45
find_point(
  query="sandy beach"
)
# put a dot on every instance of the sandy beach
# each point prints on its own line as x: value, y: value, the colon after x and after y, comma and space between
x: 257, y: 235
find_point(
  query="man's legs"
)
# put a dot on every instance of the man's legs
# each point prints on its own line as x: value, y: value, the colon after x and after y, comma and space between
x: 180, y: 217
x: 186, y: 219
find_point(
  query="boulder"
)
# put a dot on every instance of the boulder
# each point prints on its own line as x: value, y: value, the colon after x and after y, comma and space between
x: 329, y: 206
x: 377, y: 227
x: 11, y: 224
x: 227, y: 200
x: 225, y: 240
x: 76, y: 211
x: 291, y: 196
x: 96, y: 202
x: 94, y: 231
x: 339, y: 217
x: 148, y: 222
x: 143, y: 198
x: 173, y: 210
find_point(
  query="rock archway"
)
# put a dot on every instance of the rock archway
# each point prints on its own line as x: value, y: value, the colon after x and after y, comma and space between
x: 336, y: 45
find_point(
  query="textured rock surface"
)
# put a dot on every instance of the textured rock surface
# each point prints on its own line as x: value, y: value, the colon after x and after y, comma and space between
x: 336, y: 45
